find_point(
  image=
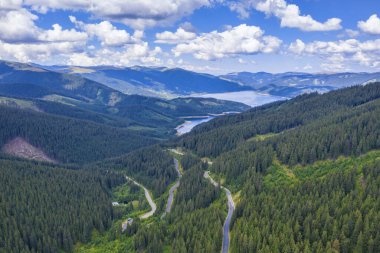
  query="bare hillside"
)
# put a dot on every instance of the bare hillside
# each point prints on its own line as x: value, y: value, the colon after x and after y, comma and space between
x: 21, y: 148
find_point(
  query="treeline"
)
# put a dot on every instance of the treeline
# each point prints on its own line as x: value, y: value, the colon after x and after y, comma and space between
x: 67, y: 140
x: 226, y: 133
x: 49, y: 209
x: 336, y: 213
x: 151, y: 166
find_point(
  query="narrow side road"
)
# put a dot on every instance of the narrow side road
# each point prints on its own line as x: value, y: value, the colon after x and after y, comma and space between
x: 148, y: 197
x: 231, y: 209
x: 226, y: 226
x: 172, y: 189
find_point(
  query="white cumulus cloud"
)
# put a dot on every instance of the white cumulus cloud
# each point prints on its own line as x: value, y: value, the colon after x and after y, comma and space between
x: 238, y: 40
x: 108, y: 34
x: 135, y: 53
x: 371, y: 26
x: 336, y: 53
x: 22, y: 40
x: 17, y: 25
x: 181, y: 35
x: 57, y: 34
x: 47, y: 53
x: 137, y: 14
x: 289, y: 14
x: 10, y: 4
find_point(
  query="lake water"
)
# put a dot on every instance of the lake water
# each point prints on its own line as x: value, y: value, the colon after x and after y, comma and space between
x: 191, y: 123
x: 251, y: 98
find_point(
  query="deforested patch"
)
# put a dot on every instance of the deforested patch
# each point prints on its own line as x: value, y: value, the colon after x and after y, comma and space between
x: 19, y: 147
x: 114, y: 99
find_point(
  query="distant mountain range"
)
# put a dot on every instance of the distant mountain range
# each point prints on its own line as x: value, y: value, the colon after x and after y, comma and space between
x: 75, y: 96
x: 173, y: 82
x: 168, y: 83
x: 154, y: 81
x: 291, y: 84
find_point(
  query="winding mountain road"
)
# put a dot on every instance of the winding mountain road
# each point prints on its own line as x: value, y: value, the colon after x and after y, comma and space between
x: 231, y: 209
x: 172, y: 189
x: 148, y: 197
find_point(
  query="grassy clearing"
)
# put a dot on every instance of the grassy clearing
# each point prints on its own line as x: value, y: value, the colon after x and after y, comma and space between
x: 280, y: 174
x: 109, y: 242
x: 132, y: 204
x: 131, y: 198
x: 262, y: 137
x: 236, y: 197
x: 23, y: 104
x: 62, y: 100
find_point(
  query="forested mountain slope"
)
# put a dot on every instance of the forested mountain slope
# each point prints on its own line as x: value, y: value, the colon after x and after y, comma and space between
x: 49, y: 209
x: 350, y: 133
x: 225, y: 133
x: 305, y: 172
x: 304, y: 175
x: 67, y: 140
x: 48, y: 82
x: 194, y: 225
x: 309, y: 184
x: 159, y: 116
x: 334, y: 207
x: 152, y: 166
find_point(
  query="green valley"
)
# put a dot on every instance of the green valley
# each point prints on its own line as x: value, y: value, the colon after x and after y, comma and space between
x: 189, y: 126
x: 302, y: 175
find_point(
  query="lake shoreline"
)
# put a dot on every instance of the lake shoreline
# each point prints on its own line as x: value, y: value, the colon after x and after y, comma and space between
x: 193, y: 121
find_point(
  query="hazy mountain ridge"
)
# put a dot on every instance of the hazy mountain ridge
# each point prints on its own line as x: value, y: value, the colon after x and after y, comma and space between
x: 291, y: 84
x: 86, y: 97
x: 173, y: 82
x: 154, y: 81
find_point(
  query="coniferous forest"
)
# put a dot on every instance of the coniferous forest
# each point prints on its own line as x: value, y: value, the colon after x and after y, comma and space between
x: 189, y: 126
x: 304, y: 175
x: 338, y: 212
x: 194, y: 225
x: 151, y: 166
x: 48, y: 209
x: 299, y: 190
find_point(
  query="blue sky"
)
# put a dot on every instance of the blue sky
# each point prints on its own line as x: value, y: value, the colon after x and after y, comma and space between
x: 215, y: 36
